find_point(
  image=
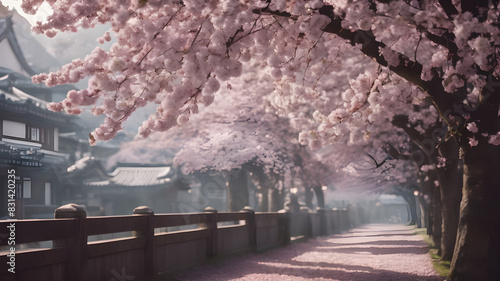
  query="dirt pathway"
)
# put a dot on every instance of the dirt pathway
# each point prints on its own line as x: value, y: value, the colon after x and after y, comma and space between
x: 373, y: 252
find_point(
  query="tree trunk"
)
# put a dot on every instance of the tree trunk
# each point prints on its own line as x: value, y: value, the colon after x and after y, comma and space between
x: 430, y: 226
x: 410, y: 199
x: 477, y: 250
x: 424, y: 209
x: 276, y: 202
x: 309, y: 197
x: 263, y: 198
x: 451, y: 195
x: 436, y: 218
x: 320, y: 196
x: 237, y: 189
x: 408, y: 214
x: 268, y: 201
x: 418, y: 211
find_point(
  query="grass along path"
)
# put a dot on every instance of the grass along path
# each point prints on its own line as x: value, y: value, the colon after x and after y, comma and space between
x: 441, y: 267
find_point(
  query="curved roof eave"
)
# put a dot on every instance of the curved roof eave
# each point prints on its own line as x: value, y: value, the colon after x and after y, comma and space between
x: 8, y: 33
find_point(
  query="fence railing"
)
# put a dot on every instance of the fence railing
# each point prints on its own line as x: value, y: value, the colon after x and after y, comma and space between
x: 143, y: 249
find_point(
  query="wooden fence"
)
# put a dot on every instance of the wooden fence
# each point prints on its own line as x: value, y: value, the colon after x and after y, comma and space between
x: 144, y: 249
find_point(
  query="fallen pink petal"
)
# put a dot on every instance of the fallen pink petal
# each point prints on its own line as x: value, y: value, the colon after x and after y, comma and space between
x: 372, y: 252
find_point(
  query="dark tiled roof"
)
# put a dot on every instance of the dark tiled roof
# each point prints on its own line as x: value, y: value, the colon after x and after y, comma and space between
x: 31, y: 107
x: 87, y: 168
x: 138, y: 176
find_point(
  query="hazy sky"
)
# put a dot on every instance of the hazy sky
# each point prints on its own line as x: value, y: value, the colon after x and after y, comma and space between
x: 43, y: 12
x: 65, y: 46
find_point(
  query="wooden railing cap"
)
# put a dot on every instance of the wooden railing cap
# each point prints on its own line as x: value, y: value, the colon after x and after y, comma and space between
x: 143, y: 210
x: 70, y: 210
x: 305, y: 209
x: 210, y: 210
x: 247, y: 209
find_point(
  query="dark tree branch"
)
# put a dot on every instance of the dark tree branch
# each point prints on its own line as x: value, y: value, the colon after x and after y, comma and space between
x: 448, y: 8
x: 418, y: 139
x: 394, y: 153
x: 478, y: 8
x: 408, y: 69
x: 378, y: 165
x: 446, y: 40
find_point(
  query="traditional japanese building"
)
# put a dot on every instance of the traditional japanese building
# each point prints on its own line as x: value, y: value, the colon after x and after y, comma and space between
x: 51, y: 160
x: 30, y: 147
x: 162, y: 187
x: 30, y: 134
x: 129, y: 185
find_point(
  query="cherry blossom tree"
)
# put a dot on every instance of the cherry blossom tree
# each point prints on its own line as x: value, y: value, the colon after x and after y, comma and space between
x: 431, y: 157
x: 238, y: 137
x: 383, y: 174
x: 234, y: 136
x: 178, y: 54
x: 442, y: 157
x: 237, y: 130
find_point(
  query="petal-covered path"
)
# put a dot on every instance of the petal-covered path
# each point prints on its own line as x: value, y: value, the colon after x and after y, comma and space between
x: 372, y: 252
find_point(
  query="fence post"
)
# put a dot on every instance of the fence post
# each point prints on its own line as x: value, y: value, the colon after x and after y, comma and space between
x: 76, y: 247
x: 345, y: 219
x: 308, y: 228
x: 323, y: 227
x: 252, y: 227
x: 284, y: 221
x: 149, y: 235
x: 213, y: 240
x: 329, y: 221
x: 336, y: 221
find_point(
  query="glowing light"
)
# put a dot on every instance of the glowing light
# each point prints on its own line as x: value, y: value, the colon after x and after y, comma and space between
x: 416, y: 193
x: 294, y: 190
x: 324, y: 187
